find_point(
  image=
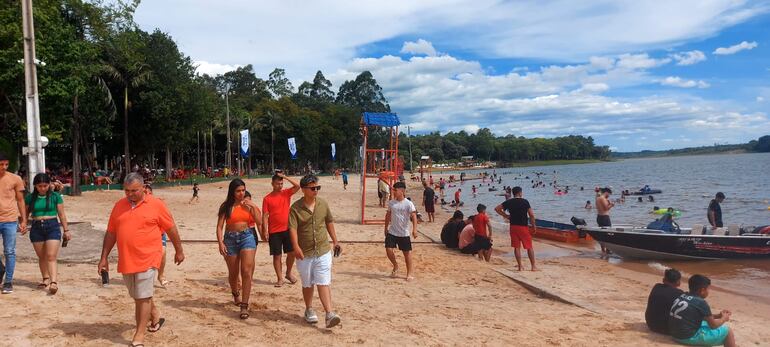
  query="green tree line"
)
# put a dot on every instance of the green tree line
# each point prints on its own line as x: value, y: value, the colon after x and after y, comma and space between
x: 113, y: 93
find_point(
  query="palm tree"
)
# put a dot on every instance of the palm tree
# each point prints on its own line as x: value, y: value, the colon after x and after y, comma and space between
x: 125, y: 77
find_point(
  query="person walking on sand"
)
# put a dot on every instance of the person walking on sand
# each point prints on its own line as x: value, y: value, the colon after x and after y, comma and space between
x: 428, y: 200
x: 195, y: 190
x: 383, y: 191
x: 311, y: 224
x: 519, y: 212
x: 237, y: 243
x: 275, y: 226
x: 13, y: 219
x: 397, y: 229
x: 603, y: 206
x: 136, y: 224
x: 164, y: 241
x: 43, y: 206
x: 345, y: 179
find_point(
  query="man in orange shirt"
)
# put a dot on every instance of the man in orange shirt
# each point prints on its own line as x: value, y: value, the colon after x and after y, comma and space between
x: 275, y: 222
x: 13, y: 219
x: 136, y: 225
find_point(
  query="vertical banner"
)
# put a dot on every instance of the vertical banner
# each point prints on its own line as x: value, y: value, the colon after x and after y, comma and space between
x: 293, y: 148
x: 245, y: 143
x: 334, y: 151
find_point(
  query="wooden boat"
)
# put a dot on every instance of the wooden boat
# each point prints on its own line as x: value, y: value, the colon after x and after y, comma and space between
x: 559, y: 231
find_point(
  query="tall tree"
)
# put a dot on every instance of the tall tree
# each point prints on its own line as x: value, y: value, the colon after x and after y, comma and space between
x: 279, y: 85
x: 364, y: 94
x: 125, y: 67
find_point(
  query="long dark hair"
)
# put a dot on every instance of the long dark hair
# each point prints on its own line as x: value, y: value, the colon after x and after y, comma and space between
x: 40, y: 178
x: 227, y: 206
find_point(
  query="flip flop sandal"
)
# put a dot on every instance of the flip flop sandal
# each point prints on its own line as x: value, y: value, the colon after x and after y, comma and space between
x: 43, y: 285
x: 53, y: 287
x: 236, y: 298
x: 291, y: 281
x: 156, y: 327
x: 244, y: 311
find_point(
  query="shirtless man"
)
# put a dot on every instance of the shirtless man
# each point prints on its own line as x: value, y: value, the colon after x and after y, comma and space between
x: 603, y: 206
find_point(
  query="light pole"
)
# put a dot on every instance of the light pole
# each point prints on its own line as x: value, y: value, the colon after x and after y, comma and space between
x: 228, y: 162
x: 409, y: 137
x: 34, y: 149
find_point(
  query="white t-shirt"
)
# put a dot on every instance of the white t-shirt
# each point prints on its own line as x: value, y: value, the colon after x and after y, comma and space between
x: 400, y: 217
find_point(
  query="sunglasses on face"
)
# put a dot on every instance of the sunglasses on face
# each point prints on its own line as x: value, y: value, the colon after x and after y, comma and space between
x: 316, y: 188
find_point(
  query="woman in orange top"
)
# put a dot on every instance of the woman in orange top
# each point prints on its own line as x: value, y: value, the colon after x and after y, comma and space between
x: 237, y: 242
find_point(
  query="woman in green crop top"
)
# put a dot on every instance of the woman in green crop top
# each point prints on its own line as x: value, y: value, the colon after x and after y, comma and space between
x: 43, y: 206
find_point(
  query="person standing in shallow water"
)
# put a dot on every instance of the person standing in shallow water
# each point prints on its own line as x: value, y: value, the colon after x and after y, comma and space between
x: 603, y: 206
x: 136, y: 224
x: 43, y: 206
x: 311, y: 224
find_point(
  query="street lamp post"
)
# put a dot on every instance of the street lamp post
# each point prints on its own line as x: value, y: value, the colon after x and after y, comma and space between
x: 34, y: 149
x: 228, y: 162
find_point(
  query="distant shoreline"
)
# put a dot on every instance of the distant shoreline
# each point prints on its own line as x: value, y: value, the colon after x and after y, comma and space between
x: 524, y: 164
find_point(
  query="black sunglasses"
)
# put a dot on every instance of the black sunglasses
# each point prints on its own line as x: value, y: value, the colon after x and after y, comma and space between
x: 316, y: 188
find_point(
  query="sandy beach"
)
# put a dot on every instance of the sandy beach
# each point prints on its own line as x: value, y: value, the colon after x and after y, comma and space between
x: 455, y: 299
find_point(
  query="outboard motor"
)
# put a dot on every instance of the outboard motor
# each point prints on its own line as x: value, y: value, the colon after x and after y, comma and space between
x: 578, y: 222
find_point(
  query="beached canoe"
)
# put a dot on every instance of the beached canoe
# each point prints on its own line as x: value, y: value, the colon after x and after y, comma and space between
x: 646, y: 192
x: 559, y: 231
x: 643, y: 243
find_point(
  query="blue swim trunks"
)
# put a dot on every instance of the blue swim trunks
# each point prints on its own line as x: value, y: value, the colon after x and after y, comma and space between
x: 705, y: 336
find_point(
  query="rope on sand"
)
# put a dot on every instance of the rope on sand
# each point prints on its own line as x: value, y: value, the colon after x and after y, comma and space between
x: 551, y: 294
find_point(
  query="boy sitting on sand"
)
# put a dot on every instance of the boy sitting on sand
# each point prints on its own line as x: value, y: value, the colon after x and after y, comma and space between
x: 660, y: 300
x: 690, y: 319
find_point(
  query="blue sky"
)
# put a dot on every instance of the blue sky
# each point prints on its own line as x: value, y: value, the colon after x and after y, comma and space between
x: 633, y: 74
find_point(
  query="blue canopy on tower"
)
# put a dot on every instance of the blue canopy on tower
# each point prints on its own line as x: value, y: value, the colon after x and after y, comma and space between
x: 381, y: 119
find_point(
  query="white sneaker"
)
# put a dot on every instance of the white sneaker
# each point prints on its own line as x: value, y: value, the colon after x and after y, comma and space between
x: 310, y: 316
x: 332, y: 319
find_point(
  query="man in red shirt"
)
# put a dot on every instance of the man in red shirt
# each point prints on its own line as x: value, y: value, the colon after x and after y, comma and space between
x: 275, y: 222
x: 457, y: 198
x: 136, y: 224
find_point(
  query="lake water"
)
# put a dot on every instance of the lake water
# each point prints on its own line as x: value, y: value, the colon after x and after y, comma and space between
x: 688, y: 184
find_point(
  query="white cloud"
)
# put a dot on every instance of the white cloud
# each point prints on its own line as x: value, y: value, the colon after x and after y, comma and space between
x: 640, y: 61
x: 420, y: 47
x: 760, y: 99
x: 204, y: 67
x: 736, y: 48
x: 445, y: 93
x: 689, y: 58
x: 327, y: 34
x: 675, y: 81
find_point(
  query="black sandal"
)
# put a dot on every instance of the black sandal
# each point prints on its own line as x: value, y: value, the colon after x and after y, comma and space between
x: 156, y: 327
x: 53, y: 287
x: 43, y: 285
x: 244, y: 310
x: 236, y: 298
x: 135, y: 344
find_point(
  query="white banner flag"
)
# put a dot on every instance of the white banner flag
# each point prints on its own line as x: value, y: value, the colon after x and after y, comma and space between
x: 245, y: 143
x: 334, y: 150
x: 293, y: 148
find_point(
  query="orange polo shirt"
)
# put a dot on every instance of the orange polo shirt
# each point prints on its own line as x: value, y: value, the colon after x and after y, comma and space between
x: 138, y: 231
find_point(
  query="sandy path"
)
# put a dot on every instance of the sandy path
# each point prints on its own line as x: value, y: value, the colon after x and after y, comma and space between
x: 456, y: 300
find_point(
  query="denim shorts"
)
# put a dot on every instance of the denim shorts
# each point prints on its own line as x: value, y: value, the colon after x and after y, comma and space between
x: 236, y: 241
x: 44, y: 230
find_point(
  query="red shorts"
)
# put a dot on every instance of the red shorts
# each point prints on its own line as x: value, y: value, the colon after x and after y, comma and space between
x: 520, y: 236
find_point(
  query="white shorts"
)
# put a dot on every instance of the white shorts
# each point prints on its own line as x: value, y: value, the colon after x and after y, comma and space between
x: 141, y: 285
x: 315, y: 270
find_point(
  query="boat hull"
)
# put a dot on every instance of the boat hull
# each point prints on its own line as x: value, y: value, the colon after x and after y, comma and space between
x: 644, y: 245
x: 559, y: 232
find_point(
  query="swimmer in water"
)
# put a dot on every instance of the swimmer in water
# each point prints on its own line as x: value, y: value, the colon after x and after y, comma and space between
x: 588, y: 205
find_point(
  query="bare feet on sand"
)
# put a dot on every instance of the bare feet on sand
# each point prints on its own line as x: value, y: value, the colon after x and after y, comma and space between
x: 394, y: 272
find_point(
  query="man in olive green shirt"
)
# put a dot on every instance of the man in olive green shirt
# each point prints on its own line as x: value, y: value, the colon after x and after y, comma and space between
x: 310, y: 226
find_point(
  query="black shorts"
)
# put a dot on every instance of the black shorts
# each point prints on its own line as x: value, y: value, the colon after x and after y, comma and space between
x: 603, y: 221
x: 481, y: 242
x: 404, y: 242
x: 379, y: 194
x: 280, y: 241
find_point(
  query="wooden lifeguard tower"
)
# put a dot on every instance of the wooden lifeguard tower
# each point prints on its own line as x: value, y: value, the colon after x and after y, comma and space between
x: 379, y: 162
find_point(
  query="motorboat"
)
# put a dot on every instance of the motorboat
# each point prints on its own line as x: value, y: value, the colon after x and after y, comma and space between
x: 699, y: 242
